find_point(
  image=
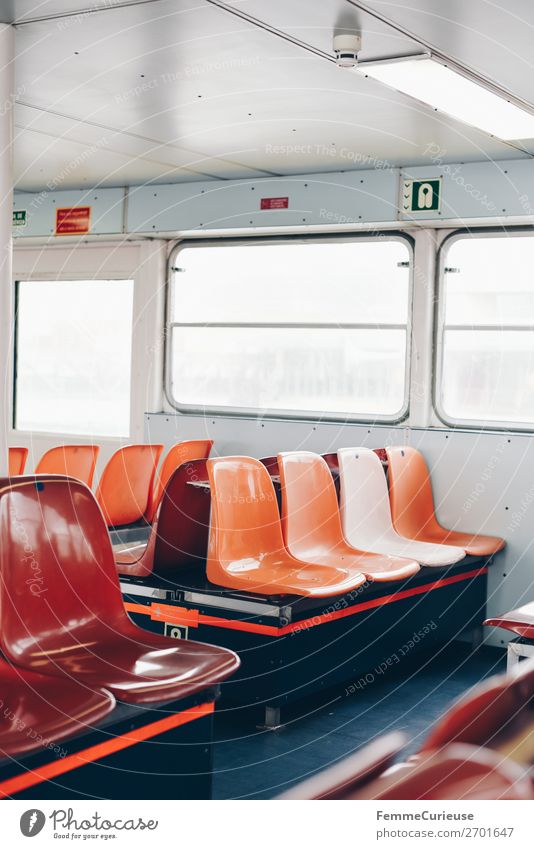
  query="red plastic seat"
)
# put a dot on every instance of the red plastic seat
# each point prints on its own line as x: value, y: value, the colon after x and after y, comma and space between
x: 36, y: 712
x: 338, y: 781
x: 17, y: 461
x: 412, y: 506
x: 271, y: 464
x: 312, y: 525
x: 332, y: 462
x: 61, y: 605
x: 125, y: 488
x: 491, y: 713
x: 179, y: 535
x: 75, y: 461
x: 182, y: 452
x: 246, y: 550
x: 458, y: 772
x: 520, y: 621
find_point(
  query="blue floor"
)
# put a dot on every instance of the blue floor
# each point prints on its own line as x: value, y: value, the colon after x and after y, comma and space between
x: 256, y: 764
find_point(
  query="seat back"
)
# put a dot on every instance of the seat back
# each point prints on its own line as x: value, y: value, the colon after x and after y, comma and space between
x: 17, y: 461
x: 181, y: 528
x: 364, y: 499
x: 492, y: 712
x: 182, y: 452
x: 412, y: 503
x: 75, y: 461
x: 125, y: 488
x: 333, y: 464
x: 58, y: 583
x: 271, y: 464
x: 245, y: 522
x: 310, y: 513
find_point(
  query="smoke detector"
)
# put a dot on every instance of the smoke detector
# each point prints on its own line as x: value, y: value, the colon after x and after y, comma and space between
x: 346, y: 47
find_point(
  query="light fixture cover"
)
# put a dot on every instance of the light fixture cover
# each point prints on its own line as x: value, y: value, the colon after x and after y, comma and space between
x: 430, y: 81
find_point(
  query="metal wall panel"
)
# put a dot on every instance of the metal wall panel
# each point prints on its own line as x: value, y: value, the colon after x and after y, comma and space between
x: 107, y: 210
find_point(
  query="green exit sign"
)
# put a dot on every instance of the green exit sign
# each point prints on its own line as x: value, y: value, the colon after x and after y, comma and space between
x: 421, y: 195
x: 19, y: 217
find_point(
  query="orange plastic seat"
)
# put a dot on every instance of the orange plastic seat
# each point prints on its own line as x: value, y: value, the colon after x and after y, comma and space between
x: 246, y: 549
x: 39, y: 713
x: 491, y: 713
x: 75, y: 461
x: 311, y: 521
x: 520, y: 621
x: 125, y: 488
x: 182, y: 452
x: 62, y: 612
x: 17, y: 461
x: 179, y: 535
x: 412, y: 506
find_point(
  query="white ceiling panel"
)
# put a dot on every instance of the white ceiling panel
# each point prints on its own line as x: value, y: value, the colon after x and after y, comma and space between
x: 177, y: 90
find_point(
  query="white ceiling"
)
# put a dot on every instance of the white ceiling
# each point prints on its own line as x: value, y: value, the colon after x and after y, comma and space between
x: 121, y: 93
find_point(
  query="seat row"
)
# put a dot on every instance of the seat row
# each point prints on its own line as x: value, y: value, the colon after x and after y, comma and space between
x: 481, y: 749
x: 68, y: 650
x: 312, y: 546
x: 130, y: 487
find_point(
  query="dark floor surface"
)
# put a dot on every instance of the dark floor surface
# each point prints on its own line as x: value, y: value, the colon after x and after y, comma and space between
x: 410, y: 697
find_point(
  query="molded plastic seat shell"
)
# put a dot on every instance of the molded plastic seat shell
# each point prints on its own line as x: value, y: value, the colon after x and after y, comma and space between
x: 366, y: 513
x: 17, y: 461
x: 179, y: 535
x: 75, y: 461
x: 312, y: 525
x: 491, y: 712
x: 246, y: 550
x: 343, y: 778
x: 182, y: 452
x: 61, y: 604
x: 520, y: 621
x: 458, y: 772
x: 125, y: 488
x: 39, y: 712
x: 412, y: 506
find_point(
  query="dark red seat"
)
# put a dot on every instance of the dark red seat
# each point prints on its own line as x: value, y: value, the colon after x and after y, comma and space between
x: 35, y: 713
x: 333, y: 464
x: 490, y: 714
x: 345, y: 777
x: 179, y: 535
x: 271, y: 464
x: 61, y: 605
x: 520, y: 621
x: 458, y: 772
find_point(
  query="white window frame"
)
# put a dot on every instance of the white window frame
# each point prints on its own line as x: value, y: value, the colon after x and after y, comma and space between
x: 303, y: 415
x: 440, y: 327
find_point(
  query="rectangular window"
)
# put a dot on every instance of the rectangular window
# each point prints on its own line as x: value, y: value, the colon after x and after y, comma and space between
x: 73, y: 356
x: 318, y: 327
x: 487, y: 330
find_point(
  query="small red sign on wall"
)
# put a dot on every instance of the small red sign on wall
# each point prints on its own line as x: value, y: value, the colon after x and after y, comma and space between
x: 274, y: 203
x: 73, y: 220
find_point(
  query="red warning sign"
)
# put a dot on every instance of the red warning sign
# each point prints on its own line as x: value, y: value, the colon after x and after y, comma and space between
x: 73, y: 220
x: 274, y: 203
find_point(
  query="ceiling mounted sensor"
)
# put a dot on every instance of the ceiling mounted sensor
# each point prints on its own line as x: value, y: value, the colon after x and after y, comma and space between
x: 445, y: 87
x: 346, y: 47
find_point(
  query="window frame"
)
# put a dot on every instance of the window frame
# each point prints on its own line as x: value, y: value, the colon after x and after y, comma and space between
x: 439, y: 332
x: 66, y: 277
x: 282, y: 414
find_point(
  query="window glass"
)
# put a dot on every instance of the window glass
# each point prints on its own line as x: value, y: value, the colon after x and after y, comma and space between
x: 73, y: 356
x: 314, y: 327
x: 487, y: 332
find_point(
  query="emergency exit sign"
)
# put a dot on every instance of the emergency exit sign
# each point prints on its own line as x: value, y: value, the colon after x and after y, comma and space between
x: 420, y: 195
x: 19, y: 217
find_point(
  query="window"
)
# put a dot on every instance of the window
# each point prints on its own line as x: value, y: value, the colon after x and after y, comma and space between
x: 313, y: 327
x: 487, y: 330
x: 73, y: 356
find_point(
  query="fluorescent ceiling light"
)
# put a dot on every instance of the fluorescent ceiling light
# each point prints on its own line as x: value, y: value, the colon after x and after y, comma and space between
x: 448, y: 91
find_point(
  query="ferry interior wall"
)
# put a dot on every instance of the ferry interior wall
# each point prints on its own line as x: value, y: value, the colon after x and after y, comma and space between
x: 267, y: 400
